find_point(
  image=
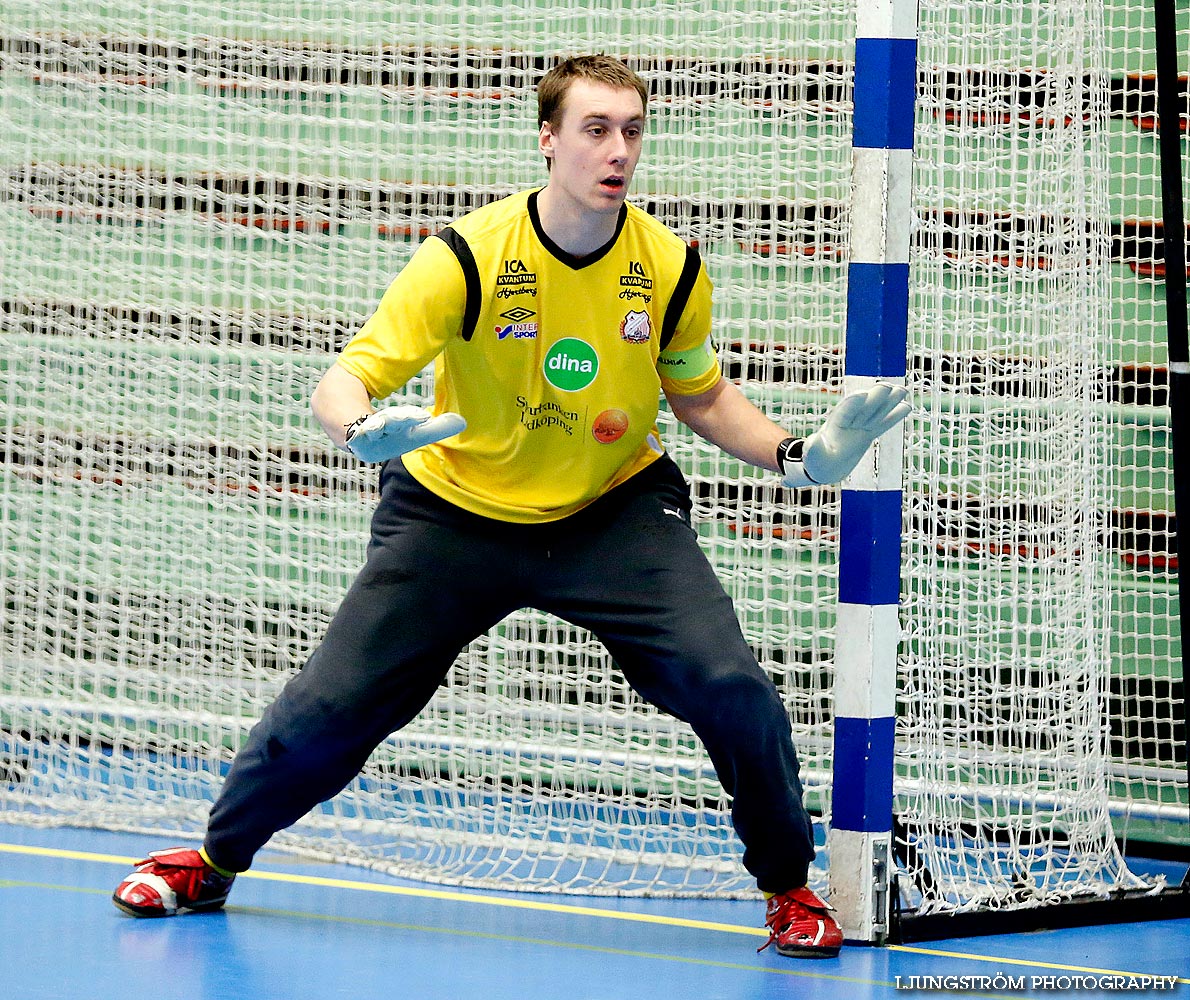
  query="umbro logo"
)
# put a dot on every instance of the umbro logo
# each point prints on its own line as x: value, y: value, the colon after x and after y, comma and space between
x: 517, y: 327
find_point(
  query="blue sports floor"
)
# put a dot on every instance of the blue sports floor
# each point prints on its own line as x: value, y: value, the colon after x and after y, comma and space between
x: 300, y: 931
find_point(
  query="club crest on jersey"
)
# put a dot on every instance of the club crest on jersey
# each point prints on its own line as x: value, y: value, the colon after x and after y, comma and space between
x: 636, y: 328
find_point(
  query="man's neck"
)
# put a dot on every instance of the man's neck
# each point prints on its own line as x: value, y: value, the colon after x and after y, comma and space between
x: 573, y: 229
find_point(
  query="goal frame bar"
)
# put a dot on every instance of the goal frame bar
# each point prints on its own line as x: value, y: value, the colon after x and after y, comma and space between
x: 863, y: 882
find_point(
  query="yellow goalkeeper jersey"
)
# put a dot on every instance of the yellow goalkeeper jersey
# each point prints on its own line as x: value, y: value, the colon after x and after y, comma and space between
x: 556, y: 362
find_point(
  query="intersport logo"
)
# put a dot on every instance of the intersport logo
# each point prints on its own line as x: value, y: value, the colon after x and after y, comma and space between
x: 570, y: 365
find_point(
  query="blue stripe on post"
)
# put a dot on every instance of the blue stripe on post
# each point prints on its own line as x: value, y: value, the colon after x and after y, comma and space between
x: 877, y: 319
x: 870, y: 547
x: 884, y: 92
x: 862, y: 786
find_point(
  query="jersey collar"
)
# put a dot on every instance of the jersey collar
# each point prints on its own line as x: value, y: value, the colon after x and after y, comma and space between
x: 569, y: 259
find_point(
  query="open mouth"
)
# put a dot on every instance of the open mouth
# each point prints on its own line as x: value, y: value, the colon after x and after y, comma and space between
x: 612, y: 183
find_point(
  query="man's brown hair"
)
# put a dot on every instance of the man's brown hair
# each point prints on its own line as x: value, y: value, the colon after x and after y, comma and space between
x: 551, y: 91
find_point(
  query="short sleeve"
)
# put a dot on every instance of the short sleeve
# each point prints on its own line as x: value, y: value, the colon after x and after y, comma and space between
x: 689, y: 364
x: 417, y: 316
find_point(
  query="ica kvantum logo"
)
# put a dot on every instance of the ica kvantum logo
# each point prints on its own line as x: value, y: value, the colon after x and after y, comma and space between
x: 571, y: 364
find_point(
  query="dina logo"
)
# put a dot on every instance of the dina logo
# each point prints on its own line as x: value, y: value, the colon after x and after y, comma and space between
x: 570, y: 365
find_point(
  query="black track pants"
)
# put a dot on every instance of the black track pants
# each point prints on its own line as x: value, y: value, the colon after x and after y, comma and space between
x: 628, y: 568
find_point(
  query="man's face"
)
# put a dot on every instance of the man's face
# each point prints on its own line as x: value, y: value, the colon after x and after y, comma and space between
x: 593, y: 151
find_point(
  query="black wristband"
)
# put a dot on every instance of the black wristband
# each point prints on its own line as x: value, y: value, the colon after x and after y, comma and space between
x: 352, y: 427
x: 791, y: 450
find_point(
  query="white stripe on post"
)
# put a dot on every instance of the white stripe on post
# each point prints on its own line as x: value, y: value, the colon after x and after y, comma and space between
x: 868, y: 627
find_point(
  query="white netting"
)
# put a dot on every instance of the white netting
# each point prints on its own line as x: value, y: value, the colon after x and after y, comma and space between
x: 200, y: 209
x: 199, y: 204
x: 1008, y: 757
x: 1147, y: 694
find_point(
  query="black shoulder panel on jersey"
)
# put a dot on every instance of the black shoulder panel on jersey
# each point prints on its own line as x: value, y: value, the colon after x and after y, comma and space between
x: 681, y: 295
x: 466, y: 260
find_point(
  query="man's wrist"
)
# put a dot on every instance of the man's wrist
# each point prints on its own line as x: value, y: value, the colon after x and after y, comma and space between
x: 351, y: 429
x: 791, y: 451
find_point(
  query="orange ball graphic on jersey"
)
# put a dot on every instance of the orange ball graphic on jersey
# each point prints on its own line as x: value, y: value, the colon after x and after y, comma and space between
x: 609, y: 426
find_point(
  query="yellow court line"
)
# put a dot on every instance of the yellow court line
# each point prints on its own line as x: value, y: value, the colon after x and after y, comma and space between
x: 400, y: 890
x: 800, y: 973
x: 1018, y: 961
x: 541, y: 906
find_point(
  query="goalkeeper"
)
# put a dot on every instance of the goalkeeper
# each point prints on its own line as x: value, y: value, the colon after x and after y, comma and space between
x: 555, y: 318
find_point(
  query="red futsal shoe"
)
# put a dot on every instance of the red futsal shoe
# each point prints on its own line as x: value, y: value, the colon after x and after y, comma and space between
x: 801, y: 925
x: 169, y: 881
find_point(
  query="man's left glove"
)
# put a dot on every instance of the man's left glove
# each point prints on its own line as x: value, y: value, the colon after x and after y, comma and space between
x: 831, y: 452
x: 395, y: 430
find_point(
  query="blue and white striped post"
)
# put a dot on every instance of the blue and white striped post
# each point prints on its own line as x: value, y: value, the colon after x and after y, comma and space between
x: 868, y: 628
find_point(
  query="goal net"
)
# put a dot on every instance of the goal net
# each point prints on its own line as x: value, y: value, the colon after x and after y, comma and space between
x: 200, y: 204
x: 1040, y: 677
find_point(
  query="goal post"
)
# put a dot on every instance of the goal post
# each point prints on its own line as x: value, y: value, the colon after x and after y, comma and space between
x: 1173, y: 118
x: 867, y: 624
x: 200, y: 205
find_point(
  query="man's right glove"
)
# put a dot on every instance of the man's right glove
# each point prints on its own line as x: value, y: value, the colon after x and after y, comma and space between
x: 390, y: 432
x: 831, y: 452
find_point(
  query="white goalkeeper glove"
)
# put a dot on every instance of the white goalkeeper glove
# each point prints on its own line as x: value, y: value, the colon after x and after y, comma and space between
x: 390, y: 432
x: 831, y: 452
